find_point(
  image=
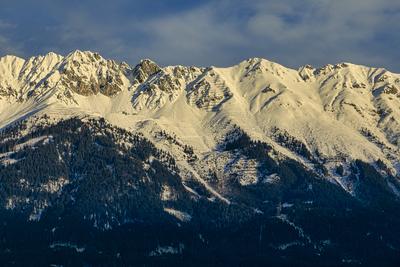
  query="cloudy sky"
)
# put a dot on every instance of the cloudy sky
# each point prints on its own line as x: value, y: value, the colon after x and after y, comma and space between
x: 213, y: 32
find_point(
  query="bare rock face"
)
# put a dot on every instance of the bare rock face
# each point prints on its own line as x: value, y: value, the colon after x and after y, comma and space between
x: 10, y: 67
x: 306, y: 72
x: 7, y: 92
x: 83, y: 73
x: 209, y: 92
x: 391, y: 89
x: 88, y: 73
x: 144, y: 70
x: 156, y: 92
x: 157, y: 86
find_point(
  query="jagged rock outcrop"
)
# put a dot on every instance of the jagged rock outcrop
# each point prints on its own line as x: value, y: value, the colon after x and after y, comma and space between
x: 88, y: 73
x: 144, y: 70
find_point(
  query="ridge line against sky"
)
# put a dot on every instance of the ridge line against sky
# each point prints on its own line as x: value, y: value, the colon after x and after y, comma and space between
x: 203, y: 33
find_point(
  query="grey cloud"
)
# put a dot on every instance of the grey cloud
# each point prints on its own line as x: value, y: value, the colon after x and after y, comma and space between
x: 294, y: 33
x: 191, y: 37
x: 6, y: 25
x: 8, y: 48
x: 224, y: 32
x: 326, y: 31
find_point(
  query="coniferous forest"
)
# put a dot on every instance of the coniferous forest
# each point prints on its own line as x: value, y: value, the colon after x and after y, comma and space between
x: 84, y: 193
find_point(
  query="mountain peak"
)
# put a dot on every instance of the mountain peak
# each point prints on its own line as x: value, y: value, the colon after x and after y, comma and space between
x: 49, y: 59
x: 10, y: 63
x: 255, y: 60
x: 10, y: 58
x: 145, y: 69
x: 84, y: 56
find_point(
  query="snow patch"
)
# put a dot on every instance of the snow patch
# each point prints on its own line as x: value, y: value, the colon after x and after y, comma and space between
x: 167, y: 193
x: 272, y: 179
x: 180, y: 215
x: 288, y: 245
x: 58, y: 245
x: 394, y: 188
x: 54, y: 186
x: 165, y: 250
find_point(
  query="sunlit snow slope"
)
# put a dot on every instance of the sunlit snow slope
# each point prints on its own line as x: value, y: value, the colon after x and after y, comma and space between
x: 338, y: 113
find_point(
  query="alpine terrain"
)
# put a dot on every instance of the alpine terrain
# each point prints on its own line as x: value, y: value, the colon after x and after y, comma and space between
x: 102, y: 163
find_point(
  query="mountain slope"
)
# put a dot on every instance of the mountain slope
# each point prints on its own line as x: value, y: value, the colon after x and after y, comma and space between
x: 342, y: 110
x: 81, y: 191
x: 219, y: 156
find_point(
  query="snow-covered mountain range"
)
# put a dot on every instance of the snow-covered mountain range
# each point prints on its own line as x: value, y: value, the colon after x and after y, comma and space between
x: 337, y: 113
x: 259, y: 161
